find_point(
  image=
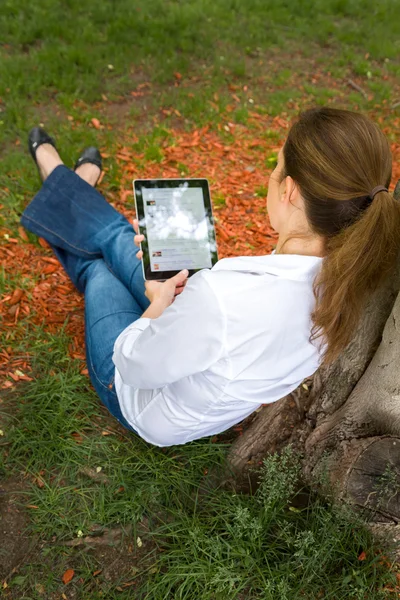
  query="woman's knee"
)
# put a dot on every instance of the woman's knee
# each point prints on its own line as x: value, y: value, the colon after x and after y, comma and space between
x: 93, y: 271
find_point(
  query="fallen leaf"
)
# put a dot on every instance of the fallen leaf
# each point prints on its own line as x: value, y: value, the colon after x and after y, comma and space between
x: 43, y: 243
x: 362, y: 556
x: 97, y: 572
x: 53, y: 261
x: 49, y: 269
x: 22, y: 234
x: 12, y: 310
x: 124, y: 194
x: 16, y: 296
x: 68, y: 575
x: 40, y: 589
x: 96, y: 123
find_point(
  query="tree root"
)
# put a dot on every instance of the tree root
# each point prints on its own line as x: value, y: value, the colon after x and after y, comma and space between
x: 101, y: 537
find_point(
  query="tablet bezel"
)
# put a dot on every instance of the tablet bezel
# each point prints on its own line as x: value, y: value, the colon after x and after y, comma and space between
x: 138, y: 184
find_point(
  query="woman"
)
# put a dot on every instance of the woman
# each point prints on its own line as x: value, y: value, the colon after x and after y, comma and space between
x: 178, y: 362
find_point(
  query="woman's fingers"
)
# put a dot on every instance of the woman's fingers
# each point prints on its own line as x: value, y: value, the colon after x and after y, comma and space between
x: 137, y: 239
x: 139, y: 255
x: 180, y: 278
x: 180, y: 287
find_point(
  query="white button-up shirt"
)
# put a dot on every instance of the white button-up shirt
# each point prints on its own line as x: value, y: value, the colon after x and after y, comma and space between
x: 236, y: 338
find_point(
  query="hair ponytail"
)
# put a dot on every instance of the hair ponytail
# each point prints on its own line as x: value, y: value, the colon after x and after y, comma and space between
x: 358, y: 260
x: 337, y: 158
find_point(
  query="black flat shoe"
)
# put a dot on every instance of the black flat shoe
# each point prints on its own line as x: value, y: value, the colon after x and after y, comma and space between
x: 92, y: 156
x: 38, y: 136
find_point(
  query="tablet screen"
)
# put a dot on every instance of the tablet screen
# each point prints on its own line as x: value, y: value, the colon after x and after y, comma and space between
x: 176, y: 218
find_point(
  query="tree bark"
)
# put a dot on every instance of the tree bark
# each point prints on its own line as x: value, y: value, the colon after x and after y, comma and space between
x: 348, y: 426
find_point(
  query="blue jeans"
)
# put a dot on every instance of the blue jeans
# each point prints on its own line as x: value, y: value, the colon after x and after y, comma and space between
x: 94, y: 244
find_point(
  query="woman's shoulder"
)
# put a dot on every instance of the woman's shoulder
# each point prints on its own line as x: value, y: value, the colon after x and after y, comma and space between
x: 293, y: 267
x: 275, y: 281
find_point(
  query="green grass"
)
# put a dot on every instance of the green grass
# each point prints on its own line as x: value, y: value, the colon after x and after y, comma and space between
x: 66, y: 52
x: 204, y: 542
x: 207, y: 61
x: 264, y: 546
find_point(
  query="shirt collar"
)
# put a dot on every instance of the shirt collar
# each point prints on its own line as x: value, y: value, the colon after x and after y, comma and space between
x: 288, y: 266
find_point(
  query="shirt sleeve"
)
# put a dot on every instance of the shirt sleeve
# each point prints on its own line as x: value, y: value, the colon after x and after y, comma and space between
x: 186, y: 339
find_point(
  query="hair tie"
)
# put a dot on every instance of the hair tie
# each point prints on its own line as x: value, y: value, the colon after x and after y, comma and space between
x: 376, y: 190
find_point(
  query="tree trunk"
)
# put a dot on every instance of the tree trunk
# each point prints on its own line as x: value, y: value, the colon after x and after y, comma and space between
x: 348, y: 426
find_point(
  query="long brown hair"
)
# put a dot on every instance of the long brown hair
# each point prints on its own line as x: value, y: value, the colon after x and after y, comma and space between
x: 337, y: 158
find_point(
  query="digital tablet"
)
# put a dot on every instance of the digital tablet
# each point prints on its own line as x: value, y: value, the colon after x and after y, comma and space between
x: 175, y: 217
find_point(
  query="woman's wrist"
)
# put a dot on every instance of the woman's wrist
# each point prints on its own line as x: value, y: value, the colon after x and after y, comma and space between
x: 155, y: 309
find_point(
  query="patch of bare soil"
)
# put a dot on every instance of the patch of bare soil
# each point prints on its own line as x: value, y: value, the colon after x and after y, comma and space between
x: 16, y: 546
x: 264, y: 74
x: 115, y: 554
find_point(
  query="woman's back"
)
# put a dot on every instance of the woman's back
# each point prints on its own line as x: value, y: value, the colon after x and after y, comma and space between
x: 254, y: 315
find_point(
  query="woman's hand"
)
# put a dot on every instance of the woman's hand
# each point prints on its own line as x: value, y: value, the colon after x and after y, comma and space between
x: 162, y: 294
x: 137, y: 238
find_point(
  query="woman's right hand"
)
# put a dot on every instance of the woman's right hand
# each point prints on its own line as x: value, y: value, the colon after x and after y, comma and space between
x: 137, y: 238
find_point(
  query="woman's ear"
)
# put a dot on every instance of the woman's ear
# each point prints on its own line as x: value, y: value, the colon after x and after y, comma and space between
x: 290, y: 190
x: 284, y: 189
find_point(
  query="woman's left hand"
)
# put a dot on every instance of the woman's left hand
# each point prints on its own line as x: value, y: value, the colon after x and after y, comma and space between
x: 138, y: 238
x: 162, y: 294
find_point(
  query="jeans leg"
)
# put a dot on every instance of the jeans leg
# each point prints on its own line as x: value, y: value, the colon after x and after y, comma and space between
x: 73, y: 216
x: 74, y: 266
x: 119, y: 253
x: 109, y: 309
